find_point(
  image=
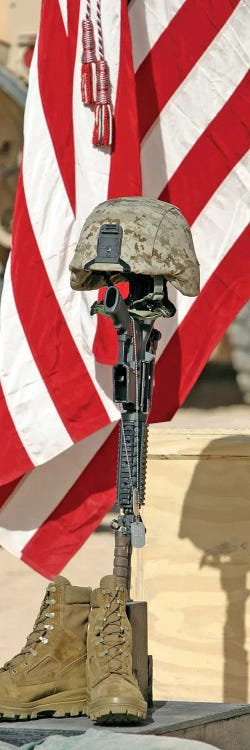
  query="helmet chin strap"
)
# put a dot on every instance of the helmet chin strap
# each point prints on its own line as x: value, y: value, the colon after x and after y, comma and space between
x: 153, y: 301
x: 148, y: 298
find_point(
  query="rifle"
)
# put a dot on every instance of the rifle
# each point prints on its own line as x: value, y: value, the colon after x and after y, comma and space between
x: 133, y: 377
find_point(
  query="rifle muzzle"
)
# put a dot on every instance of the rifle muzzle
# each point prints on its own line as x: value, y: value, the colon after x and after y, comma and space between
x: 115, y: 307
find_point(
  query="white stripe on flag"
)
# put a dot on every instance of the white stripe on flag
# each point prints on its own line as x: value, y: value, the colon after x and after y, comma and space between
x: 184, y: 118
x: 214, y: 232
x: 64, y: 11
x: 148, y: 21
x: 40, y: 491
x: 57, y: 230
x: 32, y: 410
x: 92, y: 165
x: 223, y: 219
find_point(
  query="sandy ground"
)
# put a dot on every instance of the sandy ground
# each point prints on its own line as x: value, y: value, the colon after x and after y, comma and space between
x: 21, y: 589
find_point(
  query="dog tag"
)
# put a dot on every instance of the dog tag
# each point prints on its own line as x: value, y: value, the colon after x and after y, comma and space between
x: 137, y: 534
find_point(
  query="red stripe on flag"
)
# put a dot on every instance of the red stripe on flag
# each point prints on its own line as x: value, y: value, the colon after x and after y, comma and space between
x: 212, y: 312
x: 175, y: 53
x: 213, y: 156
x: 54, y: 351
x: 125, y: 169
x: 13, y: 457
x: 7, y: 489
x: 56, y: 58
x: 78, y: 515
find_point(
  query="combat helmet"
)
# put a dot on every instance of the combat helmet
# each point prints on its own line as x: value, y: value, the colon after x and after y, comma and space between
x: 137, y: 235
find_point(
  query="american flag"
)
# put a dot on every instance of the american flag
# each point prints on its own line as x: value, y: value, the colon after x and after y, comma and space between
x: 181, y: 109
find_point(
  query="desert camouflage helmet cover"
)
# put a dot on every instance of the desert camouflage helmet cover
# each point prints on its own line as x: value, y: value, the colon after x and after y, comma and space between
x: 156, y: 240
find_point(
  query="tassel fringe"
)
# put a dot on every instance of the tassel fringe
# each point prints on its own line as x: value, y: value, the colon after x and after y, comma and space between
x: 88, y: 83
x: 88, y: 73
x: 103, y: 128
x: 95, y: 83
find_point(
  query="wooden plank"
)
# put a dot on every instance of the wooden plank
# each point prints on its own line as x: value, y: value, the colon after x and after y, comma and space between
x: 228, y: 734
x: 197, y: 560
x: 172, y: 444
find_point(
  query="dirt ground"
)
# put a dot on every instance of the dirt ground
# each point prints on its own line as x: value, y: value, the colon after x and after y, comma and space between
x: 22, y: 589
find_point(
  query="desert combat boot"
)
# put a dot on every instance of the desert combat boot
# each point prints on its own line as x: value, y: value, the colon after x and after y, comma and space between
x: 114, y: 695
x: 49, y: 674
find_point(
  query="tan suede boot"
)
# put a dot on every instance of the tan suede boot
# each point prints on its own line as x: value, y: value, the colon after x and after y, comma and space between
x: 49, y: 674
x: 114, y: 695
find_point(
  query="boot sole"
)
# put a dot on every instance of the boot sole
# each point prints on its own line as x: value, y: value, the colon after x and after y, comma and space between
x: 68, y: 703
x: 117, y: 713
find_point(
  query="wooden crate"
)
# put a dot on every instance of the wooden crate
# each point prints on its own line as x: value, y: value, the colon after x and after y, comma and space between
x: 196, y: 564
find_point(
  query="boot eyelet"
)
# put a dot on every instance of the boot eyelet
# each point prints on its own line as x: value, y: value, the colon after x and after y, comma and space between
x: 50, y: 614
x: 43, y: 640
x: 14, y: 671
x: 52, y: 601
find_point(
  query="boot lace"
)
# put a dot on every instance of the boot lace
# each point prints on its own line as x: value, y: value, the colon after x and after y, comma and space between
x: 111, y: 634
x: 39, y: 633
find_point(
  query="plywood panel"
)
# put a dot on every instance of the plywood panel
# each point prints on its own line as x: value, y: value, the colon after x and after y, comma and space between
x: 197, y: 561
